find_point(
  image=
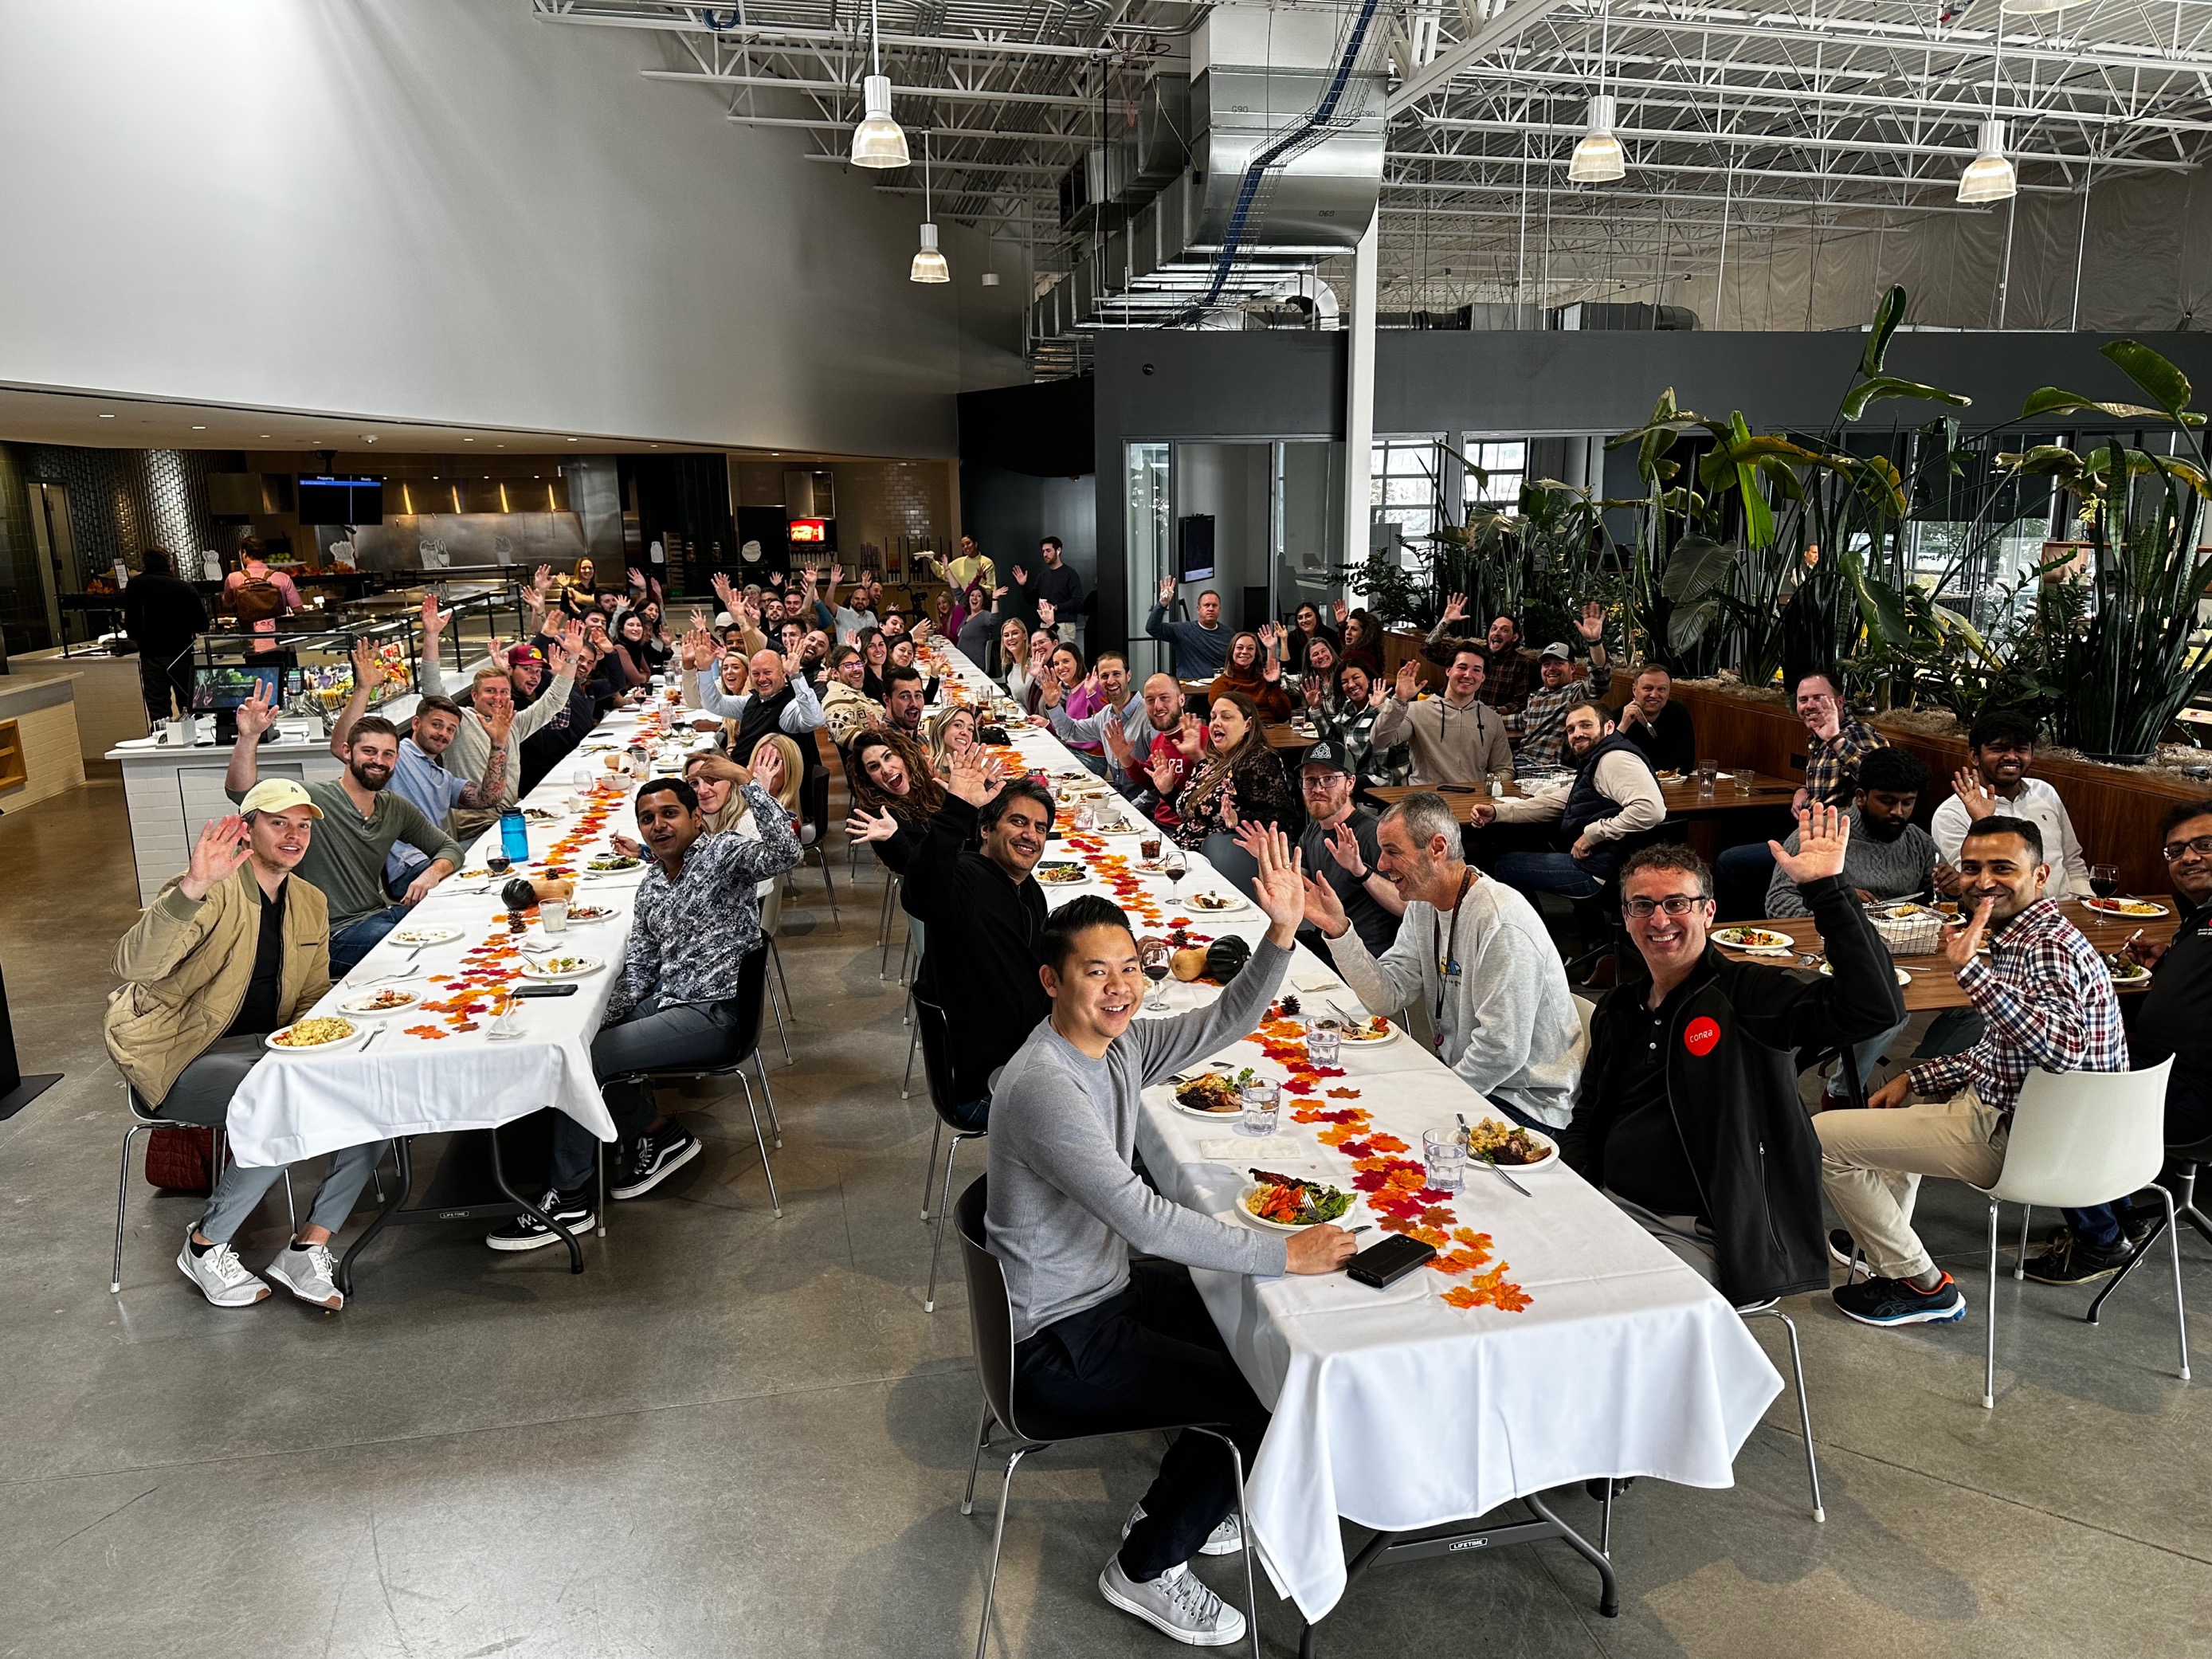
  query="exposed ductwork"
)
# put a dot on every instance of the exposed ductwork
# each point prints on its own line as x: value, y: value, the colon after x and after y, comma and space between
x: 1232, y: 184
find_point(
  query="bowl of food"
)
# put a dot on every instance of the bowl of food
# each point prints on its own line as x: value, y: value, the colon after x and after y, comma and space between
x: 1287, y: 1204
x: 384, y: 999
x: 320, y: 1035
x: 1511, y: 1145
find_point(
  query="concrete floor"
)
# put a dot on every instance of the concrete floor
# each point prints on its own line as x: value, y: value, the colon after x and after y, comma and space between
x: 737, y: 1436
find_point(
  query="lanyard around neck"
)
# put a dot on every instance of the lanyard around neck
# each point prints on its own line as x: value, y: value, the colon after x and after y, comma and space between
x: 1448, y: 947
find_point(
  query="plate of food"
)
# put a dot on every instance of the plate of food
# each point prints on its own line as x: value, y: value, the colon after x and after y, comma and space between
x: 1367, y: 1032
x: 1212, y: 1094
x: 1903, y: 977
x: 611, y: 863
x: 2127, y: 972
x: 583, y: 915
x: 323, y: 1035
x: 1214, y: 901
x: 1754, y: 941
x: 560, y: 966
x: 1670, y: 775
x: 2133, y: 908
x: 543, y: 815
x: 412, y: 937
x: 1285, y: 1203
x: 1509, y: 1145
x: 1062, y: 872
x: 384, y: 999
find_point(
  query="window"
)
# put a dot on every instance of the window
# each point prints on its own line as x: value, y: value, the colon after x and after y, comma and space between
x: 1507, y: 464
x: 1405, y: 488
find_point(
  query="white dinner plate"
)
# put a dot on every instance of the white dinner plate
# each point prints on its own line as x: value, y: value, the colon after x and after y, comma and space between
x: 1354, y: 1036
x: 1243, y: 1209
x: 1903, y: 977
x: 1551, y: 1151
x: 1735, y: 939
x: 409, y: 938
x: 2150, y: 908
x: 607, y: 913
x: 360, y: 1004
x: 1191, y: 903
x: 350, y: 1039
x: 537, y: 968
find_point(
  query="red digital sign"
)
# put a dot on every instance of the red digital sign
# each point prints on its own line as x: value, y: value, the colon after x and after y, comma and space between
x: 809, y: 530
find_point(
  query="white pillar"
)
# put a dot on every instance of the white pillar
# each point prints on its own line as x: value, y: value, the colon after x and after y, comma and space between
x: 1359, y: 398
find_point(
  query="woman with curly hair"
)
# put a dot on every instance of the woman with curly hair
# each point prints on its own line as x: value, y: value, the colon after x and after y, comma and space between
x: 1236, y: 778
x: 894, y: 794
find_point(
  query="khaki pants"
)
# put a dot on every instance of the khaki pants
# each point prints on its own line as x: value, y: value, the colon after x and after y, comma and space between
x: 1871, y: 1163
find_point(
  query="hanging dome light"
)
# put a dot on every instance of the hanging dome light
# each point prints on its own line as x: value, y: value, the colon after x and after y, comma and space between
x: 1598, y: 157
x: 928, y: 263
x: 877, y: 142
x: 1989, y: 177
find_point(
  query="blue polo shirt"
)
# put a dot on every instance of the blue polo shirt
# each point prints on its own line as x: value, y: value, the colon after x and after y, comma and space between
x: 420, y: 780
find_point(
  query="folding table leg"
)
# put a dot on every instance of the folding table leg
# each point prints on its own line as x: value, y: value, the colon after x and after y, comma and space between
x: 402, y: 1165
x: 498, y: 1174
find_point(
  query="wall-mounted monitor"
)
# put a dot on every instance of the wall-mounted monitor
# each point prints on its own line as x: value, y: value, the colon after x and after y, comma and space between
x: 341, y: 500
x: 1194, y: 550
x: 809, y: 532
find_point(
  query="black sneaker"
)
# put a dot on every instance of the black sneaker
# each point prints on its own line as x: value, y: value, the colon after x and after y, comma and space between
x: 527, y: 1232
x: 1896, y: 1301
x: 2074, y: 1260
x: 652, y: 1157
x: 1843, y: 1249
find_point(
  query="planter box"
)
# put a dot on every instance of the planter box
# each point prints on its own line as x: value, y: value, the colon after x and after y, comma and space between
x: 2115, y: 809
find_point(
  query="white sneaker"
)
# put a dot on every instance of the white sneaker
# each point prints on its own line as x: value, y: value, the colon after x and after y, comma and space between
x: 1227, y: 1539
x: 222, y: 1277
x: 309, y: 1275
x: 1176, y: 1604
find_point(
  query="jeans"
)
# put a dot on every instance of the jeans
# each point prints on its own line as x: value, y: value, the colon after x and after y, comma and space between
x: 1547, y: 872
x: 350, y: 943
x: 202, y: 1095
x: 1150, y: 1357
x: 2188, y: 1118
x: 653, y: 1038
x: 974, y: 1116
x: 1865, y: 1055
x: 162, y: 671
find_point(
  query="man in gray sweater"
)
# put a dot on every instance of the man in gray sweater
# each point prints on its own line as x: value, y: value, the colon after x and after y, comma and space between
x: 1103, y: 1345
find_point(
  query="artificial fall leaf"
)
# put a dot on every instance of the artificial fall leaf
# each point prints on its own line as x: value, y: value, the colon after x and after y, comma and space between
x: 1462, y: 1297
x: 1344, y: 1094
x: 1388, y: 1143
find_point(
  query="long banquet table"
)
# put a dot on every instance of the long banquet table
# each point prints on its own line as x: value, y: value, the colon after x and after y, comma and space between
x: 1568, y: 1345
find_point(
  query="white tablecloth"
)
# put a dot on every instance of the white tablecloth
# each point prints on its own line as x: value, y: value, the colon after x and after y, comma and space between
x: 296, y: 1106
x: 1394, y: 1409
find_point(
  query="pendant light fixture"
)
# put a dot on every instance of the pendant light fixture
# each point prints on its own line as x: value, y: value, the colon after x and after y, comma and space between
x: 877, y: 142
x: 1598, y: 159
x: 1989, y: 176
x: 928, y: 264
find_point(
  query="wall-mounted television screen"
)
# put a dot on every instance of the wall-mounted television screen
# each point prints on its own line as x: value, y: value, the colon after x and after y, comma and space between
x: 809, y: 532
x: 341, y: 500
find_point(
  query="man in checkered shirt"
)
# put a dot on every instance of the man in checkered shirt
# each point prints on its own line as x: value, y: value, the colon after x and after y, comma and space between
x: 1835, y: 741
x: 1540, y: 730
x: 2047, y: 1000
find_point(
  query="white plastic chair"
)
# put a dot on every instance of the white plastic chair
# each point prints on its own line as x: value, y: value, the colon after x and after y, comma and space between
x: 2078, y: 1138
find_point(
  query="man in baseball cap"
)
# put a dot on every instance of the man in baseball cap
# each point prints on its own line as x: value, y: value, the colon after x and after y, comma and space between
x: 1539, y: 732
x: 277, y: 795
x: 1340, y: 849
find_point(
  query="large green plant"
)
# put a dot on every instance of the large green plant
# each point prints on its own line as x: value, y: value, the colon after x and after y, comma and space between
x: 2131, y: 667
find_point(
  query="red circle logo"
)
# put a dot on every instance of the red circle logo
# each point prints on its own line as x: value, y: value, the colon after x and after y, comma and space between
x: 1701, y: 1037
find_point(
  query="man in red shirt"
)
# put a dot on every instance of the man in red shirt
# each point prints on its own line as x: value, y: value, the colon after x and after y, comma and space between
x: 1163, y: 709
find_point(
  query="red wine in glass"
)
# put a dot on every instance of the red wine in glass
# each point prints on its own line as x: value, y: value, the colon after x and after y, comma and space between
x: 2104, y: 880
x: 497, y: 863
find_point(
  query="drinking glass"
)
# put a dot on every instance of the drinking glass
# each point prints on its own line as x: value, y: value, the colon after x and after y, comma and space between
x: 1708, y: 772
x: 1174, y: 866
x: 1149, y: 847
x: 497, y: 863
x: 554, y: 913
x: 2104, y: 879
x: 1743, y: 780
x: 1154, y: 954
x: 1261, y: 1100
x: 1324, y: 1042
x: 1445, y: 1154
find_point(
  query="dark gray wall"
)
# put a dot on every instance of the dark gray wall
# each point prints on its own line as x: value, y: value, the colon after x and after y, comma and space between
x: 1166, y: 385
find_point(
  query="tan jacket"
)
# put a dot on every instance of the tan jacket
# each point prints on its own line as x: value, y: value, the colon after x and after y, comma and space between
x: 186, y: 965
x: 846, y: 712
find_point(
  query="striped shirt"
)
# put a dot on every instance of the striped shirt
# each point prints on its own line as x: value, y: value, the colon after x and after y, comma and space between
x: 2047, y: 1000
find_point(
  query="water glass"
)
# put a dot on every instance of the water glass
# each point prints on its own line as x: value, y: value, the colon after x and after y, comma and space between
x: 1324, y: 1042
x: 554, y: 913
x: 1743, y: 781
x: 1260, y: 1099
x: 1445, y: 1154
x: 1708, y: 772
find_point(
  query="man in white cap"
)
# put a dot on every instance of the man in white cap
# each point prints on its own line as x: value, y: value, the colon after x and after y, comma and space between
x: 1540, y: 730
x: 232, y: 950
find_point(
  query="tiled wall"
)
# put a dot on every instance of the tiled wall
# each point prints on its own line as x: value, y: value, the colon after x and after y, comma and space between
x: 123, y: 501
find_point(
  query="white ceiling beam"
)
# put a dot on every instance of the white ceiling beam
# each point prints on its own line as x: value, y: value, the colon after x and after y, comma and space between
x: 1502, y: 29
x: 1692, y: 136
x: 934, y: 95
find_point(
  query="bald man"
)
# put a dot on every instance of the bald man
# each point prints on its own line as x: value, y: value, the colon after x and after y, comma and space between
x: 777, y: 699
x: 1142, y: 735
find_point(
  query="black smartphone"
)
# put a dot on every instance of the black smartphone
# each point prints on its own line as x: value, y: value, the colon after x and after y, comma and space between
x: 544, y: 990
x: 1384, y: 1265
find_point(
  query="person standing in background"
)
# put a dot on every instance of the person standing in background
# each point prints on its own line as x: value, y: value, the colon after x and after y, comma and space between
x: 162, y: 615
x: 1056, y: 585
x: 256, y: 595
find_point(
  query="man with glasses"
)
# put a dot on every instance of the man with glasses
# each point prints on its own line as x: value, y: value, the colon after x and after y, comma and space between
x: 1338, y: 845
x: 2169, y: 1020
x: 2002, y: 744
x: 1687, y: 1113
x: 1455, y: 738
x: 1474, y: 953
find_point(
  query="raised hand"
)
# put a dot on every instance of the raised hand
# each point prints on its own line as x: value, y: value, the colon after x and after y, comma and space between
x: 720, y: 582
x: 1167, y: 590
x: 1252, y: 837
x: 1271, y: 636
x: 1456, y: 607
x: 1279, y: 888
x: 1592, y: 625
x: 836, y: 573
x: 1323, y: 909
x: 636, y: 576
x: 864, y: 825
x: 1118, y: 744
x: 1271, y: 669
x: 541, y: 578
x: 222, y: 847
x: 367, y: 672
x: 1311, y: 689
x: 1040, y: 657
x: 1339, y: 611
x: 258, y: 713
x: 1344, y: 846
x: 967, y: 780
x: 1229, y: 818
x: 1970, y: 788
x: 1190, y: 736
x: 1045, y: 612
x: 1823, y: 833
x: 1962, y: 942
x: 1049, y: 689
x: 1021, y: 575
x: 434, y: 620
x: 1409, y: 681
x: 1162, y: 770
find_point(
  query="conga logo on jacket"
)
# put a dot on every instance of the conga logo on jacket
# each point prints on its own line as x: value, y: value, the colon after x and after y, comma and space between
x: 1700, y: 1036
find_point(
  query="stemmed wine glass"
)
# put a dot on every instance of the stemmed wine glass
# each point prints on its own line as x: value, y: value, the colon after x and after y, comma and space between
x: 1154, y: 954
x: 1174, y: 866
x: 2104, y: 879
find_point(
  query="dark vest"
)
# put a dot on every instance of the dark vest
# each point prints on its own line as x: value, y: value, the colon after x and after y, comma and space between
x: 764, y: 716
x: 1586, y: 805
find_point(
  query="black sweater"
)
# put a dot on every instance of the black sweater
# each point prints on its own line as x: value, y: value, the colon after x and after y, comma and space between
x: 1732, y: 1088
x: 1673, y: 747
x: 979, y: 959
x: 2170, y: 1020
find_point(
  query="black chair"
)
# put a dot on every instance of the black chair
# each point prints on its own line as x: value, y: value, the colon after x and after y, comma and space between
x: 991, y: 1323
x: 934, y: 1031
x: 814, y: 815
x: 1598, y: 916
x: 744, y: 1045
x: 2182, y: 1164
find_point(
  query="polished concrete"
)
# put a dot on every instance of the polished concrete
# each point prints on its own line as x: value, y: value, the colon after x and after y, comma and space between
x: 738, y: 1436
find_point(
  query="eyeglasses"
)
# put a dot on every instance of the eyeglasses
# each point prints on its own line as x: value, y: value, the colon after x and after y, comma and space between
x: 1674, y: 904
x: 2173, y: 849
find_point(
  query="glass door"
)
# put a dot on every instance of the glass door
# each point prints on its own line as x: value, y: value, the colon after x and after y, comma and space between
x: 1148, y: 521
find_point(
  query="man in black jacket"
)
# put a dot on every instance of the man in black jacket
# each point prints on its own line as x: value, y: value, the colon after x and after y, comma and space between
x: 982, y: 915
x: 1688, y: 1113
x: 162, y: 614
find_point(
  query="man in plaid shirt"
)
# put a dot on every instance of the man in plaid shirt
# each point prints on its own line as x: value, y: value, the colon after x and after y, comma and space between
x: 2047, y: 1000
x: 1834, y: 743
x: 1539, y: 729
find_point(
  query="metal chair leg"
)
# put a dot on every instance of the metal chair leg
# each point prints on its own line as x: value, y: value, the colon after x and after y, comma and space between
x: 1244, y: 1529
x: 906, y: 1082
x: 122, y: 1200
x: 929, y: 1170
x: 767, y: 1097
x: 2180, y: 1312
x: 829, y: 886
x: 906, y: 951
x: 998, y: 1543
x: 1804, y: 1406
x: 775, y: 1007
x: 775, y: 961
x: 599, y: 1165
x: 1605, y: 1523
x: 291, y: 1210
x: 761, y: 1141
x: 937, y: 1241
x: 982, y: 1444
x: 2020, y: 1261
x: 1990, y: 1365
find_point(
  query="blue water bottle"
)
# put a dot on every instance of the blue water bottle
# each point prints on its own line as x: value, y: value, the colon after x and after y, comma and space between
x: 514, y: 837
